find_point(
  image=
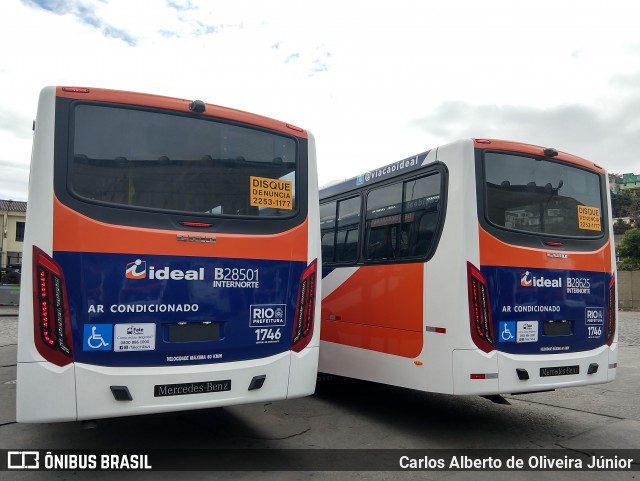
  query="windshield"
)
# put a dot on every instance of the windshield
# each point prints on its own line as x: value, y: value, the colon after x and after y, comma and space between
x: 158, y: 160
x: 542, y: 196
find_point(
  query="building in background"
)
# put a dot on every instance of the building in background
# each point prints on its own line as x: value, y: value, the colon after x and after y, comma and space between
x: 614, y: 182
x: 629, y: 182
x: 12, y: 221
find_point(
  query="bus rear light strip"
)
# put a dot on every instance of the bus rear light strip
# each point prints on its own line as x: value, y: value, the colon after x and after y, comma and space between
x: 305, y: 308
x: 612, y: 309
x: 294, y: 127
x: 195, y: 224
x: 479, y: 309
x: 52, y: 328
x: 76, y: 90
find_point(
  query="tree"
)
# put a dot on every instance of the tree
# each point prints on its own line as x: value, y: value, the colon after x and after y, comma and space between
x: 625, y: 202
x: 629, y: 250
x: 621, y: 204
x: 620, y: 227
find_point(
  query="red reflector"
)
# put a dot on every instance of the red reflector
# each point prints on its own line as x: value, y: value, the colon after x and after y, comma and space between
x: 478, y: 376
x: 293, y: 127
x: 76, y: 90
x: 437, y: 330
x: 554, y: 244
x: 195, y: 224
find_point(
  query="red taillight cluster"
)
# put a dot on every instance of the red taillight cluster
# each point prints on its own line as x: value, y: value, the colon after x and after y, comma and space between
x: 52, y: 327
x: 611, y: 311
x: 305, y: 308
x: 479, y: 309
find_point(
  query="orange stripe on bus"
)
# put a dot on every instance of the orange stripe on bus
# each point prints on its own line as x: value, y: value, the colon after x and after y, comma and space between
x: 373, y: 338
x: 380, y: 308
x: 494, y: 252
x: 74, y: 232
x: 180, y: 105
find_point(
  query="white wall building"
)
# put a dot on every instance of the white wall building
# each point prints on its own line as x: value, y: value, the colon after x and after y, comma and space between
x: 12, y: 220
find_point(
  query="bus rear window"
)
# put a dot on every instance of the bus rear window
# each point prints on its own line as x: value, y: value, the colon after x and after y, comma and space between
x: 156, y: 160
x: 540, y: 196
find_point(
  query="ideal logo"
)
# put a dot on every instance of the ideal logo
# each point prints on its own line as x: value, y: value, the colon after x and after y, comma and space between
x: 138, y: 270
x: 267, y: 315
x: 527, y: 279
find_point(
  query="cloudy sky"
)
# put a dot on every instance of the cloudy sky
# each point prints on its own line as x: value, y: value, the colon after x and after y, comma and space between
x: 375, y: 81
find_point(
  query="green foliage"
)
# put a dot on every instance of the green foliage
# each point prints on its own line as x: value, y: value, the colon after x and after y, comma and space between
x: 629, y: 250
x: 620, y: 227
x: 625, y: 203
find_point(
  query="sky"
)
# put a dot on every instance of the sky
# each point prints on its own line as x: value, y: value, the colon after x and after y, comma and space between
x: 374, y: 81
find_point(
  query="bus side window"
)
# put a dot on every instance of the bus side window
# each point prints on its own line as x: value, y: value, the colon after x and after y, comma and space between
x: 327, y: 229
x: 347, y: 245
x: 383, y: 221
x: 340, y: 228
x: 347, y: 224
x: 422, y: 214
x: 425, y: 235
x: 328, y: 240
x: 378, y: 243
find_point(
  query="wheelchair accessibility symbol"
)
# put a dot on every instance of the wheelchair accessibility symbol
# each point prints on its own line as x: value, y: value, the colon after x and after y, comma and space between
x: 97, y: 337
x: 508, y: 331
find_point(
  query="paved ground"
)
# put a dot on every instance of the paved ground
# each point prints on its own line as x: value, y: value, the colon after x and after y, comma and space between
x: 348, y: 414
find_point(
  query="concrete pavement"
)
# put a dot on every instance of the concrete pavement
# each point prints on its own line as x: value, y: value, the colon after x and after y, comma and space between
x: 346, y: 414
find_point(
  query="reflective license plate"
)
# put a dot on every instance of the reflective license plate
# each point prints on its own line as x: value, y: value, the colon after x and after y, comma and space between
x: 160, y: 390
x: 559, y: 371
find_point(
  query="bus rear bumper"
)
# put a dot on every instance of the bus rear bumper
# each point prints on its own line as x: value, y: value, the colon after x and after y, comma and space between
x: 502, y: 373
x: 165, y: 389
x: 45, y: 393
x: 85, y: 392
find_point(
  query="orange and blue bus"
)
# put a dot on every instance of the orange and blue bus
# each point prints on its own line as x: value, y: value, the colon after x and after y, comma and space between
x: 170, y: 258
x: 479, y: 267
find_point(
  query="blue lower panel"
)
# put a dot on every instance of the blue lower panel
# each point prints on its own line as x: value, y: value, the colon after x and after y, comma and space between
x: 143, y: 310
x: 543, y: 311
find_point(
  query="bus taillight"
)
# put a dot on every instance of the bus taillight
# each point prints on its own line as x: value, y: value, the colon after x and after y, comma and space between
x: 611, y: 311
x: 479, y: 309
x: 52, y: 328
x: 305, y: 308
